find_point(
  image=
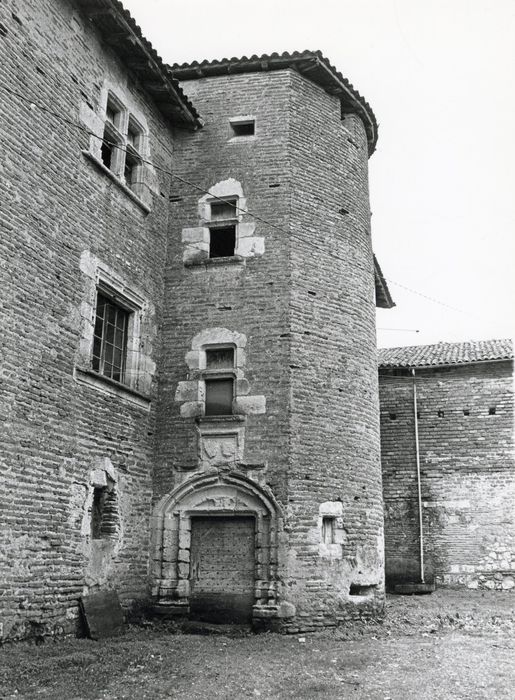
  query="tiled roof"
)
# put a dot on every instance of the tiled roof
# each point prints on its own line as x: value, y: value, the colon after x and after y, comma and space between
x: 312, y: 64
x: 124, y: 36
x: 446, y: 353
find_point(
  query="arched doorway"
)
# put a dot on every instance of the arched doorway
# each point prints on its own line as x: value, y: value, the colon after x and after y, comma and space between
x: 215, y: 549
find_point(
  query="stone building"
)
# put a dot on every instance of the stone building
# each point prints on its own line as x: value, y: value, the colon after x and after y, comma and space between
x: 189, y: 382
x: 457, y: 399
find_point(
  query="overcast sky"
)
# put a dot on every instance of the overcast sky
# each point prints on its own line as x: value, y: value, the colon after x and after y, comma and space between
x: 439, y: 77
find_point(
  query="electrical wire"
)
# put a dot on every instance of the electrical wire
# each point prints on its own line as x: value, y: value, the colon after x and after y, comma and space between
x: 120, y: 147
x: 425, y: 296
x: 33, y: 104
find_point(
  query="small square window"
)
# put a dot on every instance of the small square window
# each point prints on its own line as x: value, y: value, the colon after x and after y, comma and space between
x: 221, y: 211
x: 110, y: 338
x: 219, y: 396
x: 222, y: 241
x: 220, y: 358
x: 243, y: 128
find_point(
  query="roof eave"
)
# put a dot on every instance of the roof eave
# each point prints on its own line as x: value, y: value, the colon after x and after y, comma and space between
x: 123, y: 35
x: 383, y: 297
x: 444, y: 365
x: 350, y: 98
x: 312, y: 64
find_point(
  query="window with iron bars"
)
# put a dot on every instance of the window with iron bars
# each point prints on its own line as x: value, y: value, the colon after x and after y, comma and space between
x: 110, y: 338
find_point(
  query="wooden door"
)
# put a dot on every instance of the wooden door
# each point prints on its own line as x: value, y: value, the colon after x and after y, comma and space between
x: 222, y: 569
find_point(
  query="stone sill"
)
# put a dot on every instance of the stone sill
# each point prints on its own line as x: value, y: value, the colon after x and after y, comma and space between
x: 210, y: 262
x: 221, y: 419
x: 141, y: 204
x: 111, y: 387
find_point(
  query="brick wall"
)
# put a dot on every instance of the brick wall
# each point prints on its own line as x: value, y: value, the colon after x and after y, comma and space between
x: 334, y: 425
x: 305, y: 307
x: 467, y: 474
x: 251, y: 299
x: 58, y: 436
x: 296, y: 304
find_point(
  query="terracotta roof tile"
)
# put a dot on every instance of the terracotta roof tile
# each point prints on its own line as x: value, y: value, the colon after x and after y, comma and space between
x: 125, y: 37
x: 312, y: 64
x: 446, y: 353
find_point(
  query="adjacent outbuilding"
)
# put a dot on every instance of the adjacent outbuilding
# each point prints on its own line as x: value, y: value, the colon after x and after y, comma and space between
x: 448, y: 466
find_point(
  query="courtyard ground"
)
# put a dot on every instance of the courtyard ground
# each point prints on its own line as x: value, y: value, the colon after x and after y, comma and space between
x: 448, y: 645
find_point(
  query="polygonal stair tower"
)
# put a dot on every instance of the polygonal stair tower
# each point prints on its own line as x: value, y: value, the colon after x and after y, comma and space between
x: 268, y: 416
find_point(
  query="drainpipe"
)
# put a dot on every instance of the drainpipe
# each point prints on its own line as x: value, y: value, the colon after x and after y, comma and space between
x: 419, y: 489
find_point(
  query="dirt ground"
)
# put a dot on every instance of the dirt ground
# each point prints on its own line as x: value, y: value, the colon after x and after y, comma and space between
x: 447, y: 645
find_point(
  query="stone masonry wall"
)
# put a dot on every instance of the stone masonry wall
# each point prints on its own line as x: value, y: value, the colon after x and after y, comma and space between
x: 63, y: 219
x: 467, y: 475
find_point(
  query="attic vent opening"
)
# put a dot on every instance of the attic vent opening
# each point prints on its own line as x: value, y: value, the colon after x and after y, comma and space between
x: 441, y: 413
x: 243, y: 127
x: 491, y: 411
x: 392, y: 416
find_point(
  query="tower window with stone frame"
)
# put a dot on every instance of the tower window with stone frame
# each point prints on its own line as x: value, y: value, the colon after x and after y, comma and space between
x: 219, y: 381
x: 223, y: 227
